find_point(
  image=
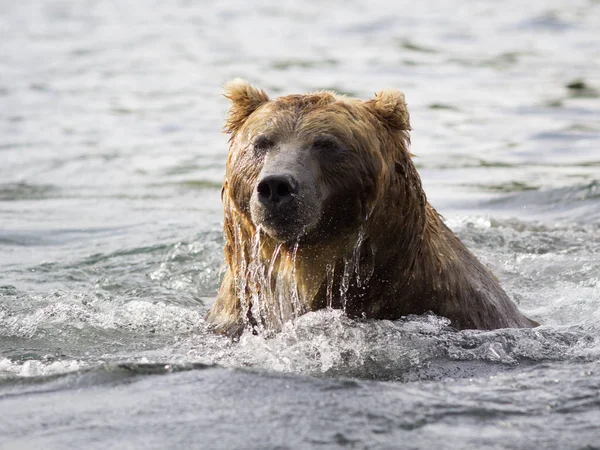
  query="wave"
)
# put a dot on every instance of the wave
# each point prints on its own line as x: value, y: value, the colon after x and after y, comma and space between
x: 578, y: 203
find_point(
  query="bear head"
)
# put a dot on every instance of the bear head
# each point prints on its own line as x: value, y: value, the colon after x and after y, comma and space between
x: 315, y: 167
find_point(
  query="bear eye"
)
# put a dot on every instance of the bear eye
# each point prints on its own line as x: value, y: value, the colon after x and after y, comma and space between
x: 327, y: 143
x: 263, y: 142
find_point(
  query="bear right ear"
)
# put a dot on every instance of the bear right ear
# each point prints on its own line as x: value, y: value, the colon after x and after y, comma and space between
x: 245, y: 99
x: 390, y: 107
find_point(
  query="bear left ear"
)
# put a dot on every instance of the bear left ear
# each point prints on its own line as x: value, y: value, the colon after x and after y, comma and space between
x: 390, y: 107
x: 245, y: 99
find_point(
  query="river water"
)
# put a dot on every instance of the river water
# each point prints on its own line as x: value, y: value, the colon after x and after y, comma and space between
x: 111, y: 244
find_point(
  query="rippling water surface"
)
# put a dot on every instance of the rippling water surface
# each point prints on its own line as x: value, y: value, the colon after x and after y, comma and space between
x: 110, y: 225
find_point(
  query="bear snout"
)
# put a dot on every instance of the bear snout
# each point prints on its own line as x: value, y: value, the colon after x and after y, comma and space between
x: 275, y: 191
x: 275, y: 206
x: 284, y: 205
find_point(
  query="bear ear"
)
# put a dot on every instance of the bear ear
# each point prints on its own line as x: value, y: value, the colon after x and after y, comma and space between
x: 390, y: 107
x: 244, y: 101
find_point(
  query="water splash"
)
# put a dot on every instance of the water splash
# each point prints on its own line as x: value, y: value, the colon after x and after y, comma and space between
x: 329, y: 343
x: 34, y: 368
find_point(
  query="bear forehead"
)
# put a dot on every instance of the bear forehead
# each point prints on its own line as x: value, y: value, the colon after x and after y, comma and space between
x: 302, y: 104
x: 316, y: 113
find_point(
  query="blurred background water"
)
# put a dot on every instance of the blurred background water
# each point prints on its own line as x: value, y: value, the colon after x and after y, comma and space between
x: 110, y: 225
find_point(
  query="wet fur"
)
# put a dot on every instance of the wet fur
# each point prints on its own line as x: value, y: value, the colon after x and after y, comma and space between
x: 403, y: 259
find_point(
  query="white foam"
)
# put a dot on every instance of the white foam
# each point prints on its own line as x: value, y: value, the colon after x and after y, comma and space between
x: 33, y: 368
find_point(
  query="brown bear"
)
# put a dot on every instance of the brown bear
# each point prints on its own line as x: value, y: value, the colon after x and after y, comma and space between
x: 324, y: 208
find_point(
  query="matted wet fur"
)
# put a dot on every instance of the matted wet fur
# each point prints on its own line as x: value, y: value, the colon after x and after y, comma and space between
x: 324, y: 208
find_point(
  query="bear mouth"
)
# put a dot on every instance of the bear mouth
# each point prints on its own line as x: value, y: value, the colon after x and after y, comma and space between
x: 282, y: 227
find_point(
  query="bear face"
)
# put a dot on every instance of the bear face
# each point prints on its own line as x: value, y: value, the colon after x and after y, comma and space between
x: 323, y: 207
x: 307, y: 167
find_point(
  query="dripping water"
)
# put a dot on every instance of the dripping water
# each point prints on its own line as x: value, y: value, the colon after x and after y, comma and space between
x: 258, y: 285
x: 240, y: 280
x: 273, y: 297
x: 298, y: 309
x: 330, y: 271
x: 267, y: 289
x: 356, y: 255
x: 345, y: 281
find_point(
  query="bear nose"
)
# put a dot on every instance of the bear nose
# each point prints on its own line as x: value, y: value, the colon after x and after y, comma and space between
x: 276, y: 190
